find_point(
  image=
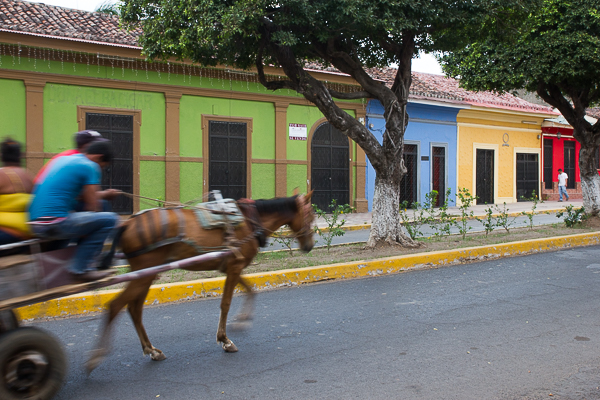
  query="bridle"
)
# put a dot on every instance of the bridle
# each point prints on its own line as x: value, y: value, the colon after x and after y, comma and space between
x: 306, y: 223
x: 260, y: 232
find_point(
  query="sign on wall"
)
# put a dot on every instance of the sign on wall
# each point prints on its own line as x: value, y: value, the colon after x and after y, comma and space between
x: 298, y: 132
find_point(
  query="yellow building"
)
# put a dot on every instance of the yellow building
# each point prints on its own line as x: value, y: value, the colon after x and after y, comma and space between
x: 499, y: 152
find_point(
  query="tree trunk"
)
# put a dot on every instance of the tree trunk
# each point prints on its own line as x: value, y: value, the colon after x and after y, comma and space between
x: 590, y: 180
x: 386, y: 228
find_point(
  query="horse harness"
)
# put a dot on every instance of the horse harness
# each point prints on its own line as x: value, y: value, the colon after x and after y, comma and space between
x: 230, y: 241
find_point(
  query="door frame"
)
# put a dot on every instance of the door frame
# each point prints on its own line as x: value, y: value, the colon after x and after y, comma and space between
x: 485, y: 146
x: 418, y: 163
x: 313, y: 129
x: 529, y: 150
x: 445, y: 146
x: 205, y: 122
x: 137, y: 123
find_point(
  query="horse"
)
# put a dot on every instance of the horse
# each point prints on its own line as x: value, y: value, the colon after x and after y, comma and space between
x: 164, y: 235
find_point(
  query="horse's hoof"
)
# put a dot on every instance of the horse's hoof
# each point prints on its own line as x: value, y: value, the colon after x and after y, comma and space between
x: 241, y: 325
x: 229, y: 347
x: 158, y: 356
x: 154, y: 353
x: 96, y: 358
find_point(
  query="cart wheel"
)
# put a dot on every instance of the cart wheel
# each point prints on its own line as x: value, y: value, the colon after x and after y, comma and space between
x: 8, y: 321
x: 32, y: 365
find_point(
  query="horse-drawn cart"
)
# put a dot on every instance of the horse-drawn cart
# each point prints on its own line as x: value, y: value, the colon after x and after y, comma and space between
x: 32, y: 362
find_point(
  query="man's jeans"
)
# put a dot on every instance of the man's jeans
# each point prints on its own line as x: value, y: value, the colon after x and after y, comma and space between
x: 562, y: 190
x: 88, y: 229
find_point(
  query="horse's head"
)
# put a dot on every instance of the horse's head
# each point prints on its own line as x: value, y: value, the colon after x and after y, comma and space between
x: 302, y: 222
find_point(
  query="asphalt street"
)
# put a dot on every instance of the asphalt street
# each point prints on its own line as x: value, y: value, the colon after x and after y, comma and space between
x: 516, y: 328
x: 362, y: 235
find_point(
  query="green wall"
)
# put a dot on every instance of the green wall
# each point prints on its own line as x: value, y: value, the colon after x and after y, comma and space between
x: 152, y: 182
x: 296, y: 178
x: 191, y: 180
x: 49, y: 61
x: 263, y: 181
x: 61, y: 102
x: 12, y: 110
x: 60, y: 114
x: 296, y: 149
x: 192, y: 108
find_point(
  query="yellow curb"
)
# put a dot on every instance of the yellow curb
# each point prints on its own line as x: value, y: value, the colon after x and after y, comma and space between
x: 91, y: 302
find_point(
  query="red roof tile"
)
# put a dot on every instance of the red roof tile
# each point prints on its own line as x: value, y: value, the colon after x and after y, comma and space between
x: 43, y: 19
x: 593, y: 112
x: 440, y: 88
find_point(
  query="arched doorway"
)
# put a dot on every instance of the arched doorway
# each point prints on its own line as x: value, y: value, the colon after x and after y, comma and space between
x: 330, y: 166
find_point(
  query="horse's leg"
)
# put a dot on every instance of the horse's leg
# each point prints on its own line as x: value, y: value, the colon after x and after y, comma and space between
x: 245, y: 316
x: 130, y: 293
x: 233, y: 275
x: 135, y: 309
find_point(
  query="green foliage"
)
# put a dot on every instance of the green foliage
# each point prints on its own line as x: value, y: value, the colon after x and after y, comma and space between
x: 572, y: 216
x: 109, y: 7
x: 438, y: 218
x: 349, y: 35
x: 413, y: 225
x: 504, y: 220
x: 545, y: 46
x: 466, y: 201
x: 488, y: 222
x: 235, y: 32
x: 529, y: 214
x: 334, y: 224
x: 445, y: 220
x: 283, y: 237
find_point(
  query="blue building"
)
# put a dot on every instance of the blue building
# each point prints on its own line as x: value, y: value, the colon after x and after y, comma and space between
x: 429, y: 149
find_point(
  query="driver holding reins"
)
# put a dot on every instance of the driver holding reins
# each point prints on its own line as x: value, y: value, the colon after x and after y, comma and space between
x: 66, y: 180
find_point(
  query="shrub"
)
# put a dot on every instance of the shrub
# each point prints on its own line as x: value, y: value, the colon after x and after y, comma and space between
x: 572, y: 216
x: 334, y: 225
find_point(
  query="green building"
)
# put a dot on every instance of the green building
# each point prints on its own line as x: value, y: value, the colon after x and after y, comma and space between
x: 178, y: 130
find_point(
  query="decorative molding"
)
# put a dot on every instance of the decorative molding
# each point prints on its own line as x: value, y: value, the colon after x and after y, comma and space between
x: 159, y: 88
x: 34, y: 122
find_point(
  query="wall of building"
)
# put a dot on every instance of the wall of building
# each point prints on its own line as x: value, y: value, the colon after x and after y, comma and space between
x: 428, y: 125
x: 506, y: 134
x: 44, y: 90
x: 12, y: 116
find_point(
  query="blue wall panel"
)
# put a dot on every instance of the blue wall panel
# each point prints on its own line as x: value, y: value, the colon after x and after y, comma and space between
x: 427, y: 124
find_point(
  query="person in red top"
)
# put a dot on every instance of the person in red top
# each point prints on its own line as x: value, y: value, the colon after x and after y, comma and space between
x: 82, y: 140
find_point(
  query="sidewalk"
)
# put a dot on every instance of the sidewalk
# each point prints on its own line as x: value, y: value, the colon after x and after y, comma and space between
x: 363, y: 220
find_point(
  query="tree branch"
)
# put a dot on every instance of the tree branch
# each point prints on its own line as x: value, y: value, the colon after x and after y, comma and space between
x: 262, y: 78
x: 349, y: 96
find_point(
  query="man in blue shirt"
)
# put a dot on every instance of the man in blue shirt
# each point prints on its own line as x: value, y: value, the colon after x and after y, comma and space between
x: 67, y: 179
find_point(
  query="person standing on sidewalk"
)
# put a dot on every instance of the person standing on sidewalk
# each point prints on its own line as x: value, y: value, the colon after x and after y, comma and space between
x: 562, y: 185
x: 51, y: 211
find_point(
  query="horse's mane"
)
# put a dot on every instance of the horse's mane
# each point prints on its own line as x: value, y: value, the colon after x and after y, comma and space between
x: 284, y: 205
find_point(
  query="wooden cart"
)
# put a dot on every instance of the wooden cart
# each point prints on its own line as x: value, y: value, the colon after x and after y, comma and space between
x: 32, y: 362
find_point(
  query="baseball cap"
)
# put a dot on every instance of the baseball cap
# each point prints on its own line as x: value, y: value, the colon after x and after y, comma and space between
x: 88, y: 136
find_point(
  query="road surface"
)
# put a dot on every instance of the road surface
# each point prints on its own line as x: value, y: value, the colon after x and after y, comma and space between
x: 516, y: 328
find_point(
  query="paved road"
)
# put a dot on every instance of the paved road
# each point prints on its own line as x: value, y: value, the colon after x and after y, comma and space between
x: 517, y: 328
x: 476, y: 226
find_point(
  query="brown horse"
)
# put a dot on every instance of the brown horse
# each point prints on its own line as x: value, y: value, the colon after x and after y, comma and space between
x: 168, y: 234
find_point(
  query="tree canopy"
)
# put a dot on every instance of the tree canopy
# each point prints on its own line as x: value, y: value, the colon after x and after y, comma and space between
x: 350, y: 35
x: 551, y: 47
